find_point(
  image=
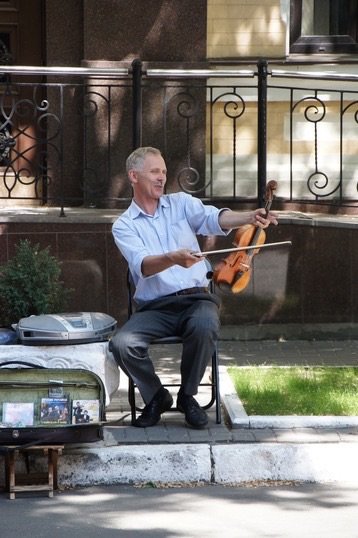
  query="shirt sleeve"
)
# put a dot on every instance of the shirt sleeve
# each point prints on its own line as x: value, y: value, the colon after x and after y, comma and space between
x: 131, y: 245
x: 204, y: 219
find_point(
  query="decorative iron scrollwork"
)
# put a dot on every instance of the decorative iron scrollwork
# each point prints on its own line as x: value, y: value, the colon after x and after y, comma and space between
x: 6, y: 143
x: 318, y: 182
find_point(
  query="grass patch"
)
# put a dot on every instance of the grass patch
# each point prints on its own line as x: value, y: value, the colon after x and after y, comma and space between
x: 297, y: 390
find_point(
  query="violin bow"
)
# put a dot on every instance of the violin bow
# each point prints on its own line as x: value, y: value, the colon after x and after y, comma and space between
x: 236, y: 249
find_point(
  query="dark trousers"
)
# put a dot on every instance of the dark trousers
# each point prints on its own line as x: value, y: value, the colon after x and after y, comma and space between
x: 195, y: 318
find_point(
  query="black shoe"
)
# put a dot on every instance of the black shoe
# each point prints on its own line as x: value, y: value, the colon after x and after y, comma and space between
x: 194, y: 414
x: 150, y: 416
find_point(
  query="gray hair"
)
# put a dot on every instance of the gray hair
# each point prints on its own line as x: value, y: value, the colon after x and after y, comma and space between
x: 136, y: 159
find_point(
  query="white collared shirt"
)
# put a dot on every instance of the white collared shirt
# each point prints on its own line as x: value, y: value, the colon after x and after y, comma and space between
x: 177, y: 221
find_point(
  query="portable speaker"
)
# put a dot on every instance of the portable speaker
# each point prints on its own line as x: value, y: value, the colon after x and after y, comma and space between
x: 69, y: 328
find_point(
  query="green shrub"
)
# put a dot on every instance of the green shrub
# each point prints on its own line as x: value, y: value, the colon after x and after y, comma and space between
x: 30, y: 284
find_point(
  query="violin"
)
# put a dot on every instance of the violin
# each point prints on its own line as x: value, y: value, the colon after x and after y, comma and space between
x: 235, y: 271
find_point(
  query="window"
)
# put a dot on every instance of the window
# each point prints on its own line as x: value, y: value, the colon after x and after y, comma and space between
x: 324, y: 26
x: 5, y: 55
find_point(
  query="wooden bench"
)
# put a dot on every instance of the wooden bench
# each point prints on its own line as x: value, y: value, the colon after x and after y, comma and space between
x: 34, y: 481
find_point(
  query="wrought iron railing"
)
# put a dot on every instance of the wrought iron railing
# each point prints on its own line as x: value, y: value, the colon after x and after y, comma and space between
x: 65, y: 133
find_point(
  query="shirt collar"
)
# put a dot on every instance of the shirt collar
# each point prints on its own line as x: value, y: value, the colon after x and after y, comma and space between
x: 135, y: 211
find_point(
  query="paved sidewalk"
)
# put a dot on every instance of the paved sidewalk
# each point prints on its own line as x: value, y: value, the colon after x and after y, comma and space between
x: 172, y: 428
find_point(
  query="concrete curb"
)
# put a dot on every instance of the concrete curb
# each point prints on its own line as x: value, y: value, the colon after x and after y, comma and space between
x: 137, y: 464
x: 329, y: 462
x: 201, y: 463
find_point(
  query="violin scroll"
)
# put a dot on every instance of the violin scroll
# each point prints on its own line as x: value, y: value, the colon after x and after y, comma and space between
x: 271, y: 187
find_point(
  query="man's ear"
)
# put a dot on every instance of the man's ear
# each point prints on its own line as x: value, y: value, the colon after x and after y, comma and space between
x: 132, y: 174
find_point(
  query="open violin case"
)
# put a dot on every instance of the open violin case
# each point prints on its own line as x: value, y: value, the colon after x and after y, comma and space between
x: 41, y: 405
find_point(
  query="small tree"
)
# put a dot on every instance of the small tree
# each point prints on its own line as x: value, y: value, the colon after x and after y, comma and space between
x: 30, y: 284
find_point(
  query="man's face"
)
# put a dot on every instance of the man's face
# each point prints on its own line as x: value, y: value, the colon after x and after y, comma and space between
x: 149, y: 182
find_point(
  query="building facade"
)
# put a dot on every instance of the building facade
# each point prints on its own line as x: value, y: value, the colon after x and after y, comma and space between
x: 73, y: 132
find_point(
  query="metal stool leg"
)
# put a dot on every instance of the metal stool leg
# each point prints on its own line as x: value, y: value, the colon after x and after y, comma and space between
x: 215, y: 392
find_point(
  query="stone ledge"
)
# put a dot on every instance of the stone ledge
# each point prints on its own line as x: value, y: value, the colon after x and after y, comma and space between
x: 93, y: 215
x: 94, y: 357
x: 290, y: 331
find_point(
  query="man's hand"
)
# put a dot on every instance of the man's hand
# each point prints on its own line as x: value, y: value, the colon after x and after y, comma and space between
x: 262, y: 220
x: 155, y: 264
x: 184, y: 257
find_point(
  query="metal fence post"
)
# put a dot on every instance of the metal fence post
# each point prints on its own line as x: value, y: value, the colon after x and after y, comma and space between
x: 261, y: 131
x: 137, y: 103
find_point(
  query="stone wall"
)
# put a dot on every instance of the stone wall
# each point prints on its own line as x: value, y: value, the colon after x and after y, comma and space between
x: 311, y: 282
x: 113, y: 32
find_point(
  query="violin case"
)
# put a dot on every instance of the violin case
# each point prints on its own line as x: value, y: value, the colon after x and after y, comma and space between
x: 40, y: 405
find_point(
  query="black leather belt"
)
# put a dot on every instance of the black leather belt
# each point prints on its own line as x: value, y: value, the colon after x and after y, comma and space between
x: 189, y: 291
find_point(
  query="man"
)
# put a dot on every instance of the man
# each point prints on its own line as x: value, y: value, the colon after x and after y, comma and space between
x: 77, y: 413
x: 157, y: 235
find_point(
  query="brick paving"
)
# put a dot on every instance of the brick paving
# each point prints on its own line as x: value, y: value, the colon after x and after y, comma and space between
x: 172, y: 428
